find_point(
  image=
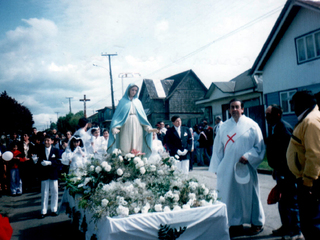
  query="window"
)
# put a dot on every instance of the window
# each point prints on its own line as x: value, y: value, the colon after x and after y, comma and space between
x: 285, y: 98
x: 308, y: 47
x: 208, y: 114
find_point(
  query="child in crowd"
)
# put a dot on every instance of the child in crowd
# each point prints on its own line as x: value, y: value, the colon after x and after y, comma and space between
x: 95, y: 140
x: 15, y: 180
x: 75, y: 154
x: 105, y: 139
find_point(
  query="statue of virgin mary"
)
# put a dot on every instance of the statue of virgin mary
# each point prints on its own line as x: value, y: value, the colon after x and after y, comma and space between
x: 130, y: 128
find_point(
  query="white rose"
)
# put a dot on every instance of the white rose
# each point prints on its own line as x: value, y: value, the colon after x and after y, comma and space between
x: 192, y: 196
x: 136, y: 210
x: 176, y: 208
x: 162, y: 199
x: 123, y: 211
x: 136, y: 160
x: 115, y: 151
x: 176, y: 197
x: 153, y: 168
x: 158, y: 208
x: 91, y: 168
x: 186, y: 206
x: 104, y: 202
x: 119, y: 172
x: 98, y: 169
x: 120, y: 158
x: 142, y: 170
x: 166, y: 209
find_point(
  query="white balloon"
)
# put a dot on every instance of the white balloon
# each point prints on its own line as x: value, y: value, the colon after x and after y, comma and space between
x: 7, y: 156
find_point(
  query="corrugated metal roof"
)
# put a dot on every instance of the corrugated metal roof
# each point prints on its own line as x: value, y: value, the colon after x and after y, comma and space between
x: 240, y: 83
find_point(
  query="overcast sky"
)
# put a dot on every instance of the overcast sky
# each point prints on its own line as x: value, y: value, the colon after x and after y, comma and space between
x: 48, y: 47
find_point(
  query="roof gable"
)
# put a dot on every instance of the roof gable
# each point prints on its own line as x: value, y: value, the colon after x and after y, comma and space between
x: 288, y: 13
x: 156, y: 89
x: 178, y: 79
x: 242, y: 82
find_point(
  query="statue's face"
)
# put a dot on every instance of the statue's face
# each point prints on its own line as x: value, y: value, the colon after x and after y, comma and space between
x: 133, y: 91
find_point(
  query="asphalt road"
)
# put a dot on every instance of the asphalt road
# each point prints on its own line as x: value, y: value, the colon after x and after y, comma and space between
x: 23, y: 212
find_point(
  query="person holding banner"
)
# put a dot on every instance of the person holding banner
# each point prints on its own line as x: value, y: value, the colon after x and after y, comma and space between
x: 238, y: 150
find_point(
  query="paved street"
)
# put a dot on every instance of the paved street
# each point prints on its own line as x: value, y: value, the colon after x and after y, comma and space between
x: 23, y: 212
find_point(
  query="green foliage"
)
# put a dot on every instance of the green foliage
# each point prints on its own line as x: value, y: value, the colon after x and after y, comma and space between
x: 69, y: 122
x: 14, y: 116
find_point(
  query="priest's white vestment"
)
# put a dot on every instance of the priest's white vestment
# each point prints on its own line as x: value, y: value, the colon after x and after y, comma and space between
x: 234, y: 140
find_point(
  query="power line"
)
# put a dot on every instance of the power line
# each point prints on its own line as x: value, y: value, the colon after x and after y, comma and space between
x: 219, y: 39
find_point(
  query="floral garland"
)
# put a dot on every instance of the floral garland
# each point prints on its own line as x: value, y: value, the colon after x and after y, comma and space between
x: 115, y: 185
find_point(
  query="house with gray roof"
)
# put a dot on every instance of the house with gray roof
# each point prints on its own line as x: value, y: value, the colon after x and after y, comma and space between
x: 290, y: 58
x: 175, y: 95
x: 243, y: 87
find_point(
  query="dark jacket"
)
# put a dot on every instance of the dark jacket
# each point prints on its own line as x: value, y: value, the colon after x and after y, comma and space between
x: 277, y: 144
x: 175, y: 143
x: 52, y: 171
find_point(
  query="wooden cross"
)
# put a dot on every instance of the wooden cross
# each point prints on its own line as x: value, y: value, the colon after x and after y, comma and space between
x: 84, y: 100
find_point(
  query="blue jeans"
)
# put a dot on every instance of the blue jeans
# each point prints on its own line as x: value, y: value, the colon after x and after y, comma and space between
x: 15, y: 181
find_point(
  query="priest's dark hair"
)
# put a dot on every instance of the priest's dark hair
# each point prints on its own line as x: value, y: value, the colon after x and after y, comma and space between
x: 236, y: 100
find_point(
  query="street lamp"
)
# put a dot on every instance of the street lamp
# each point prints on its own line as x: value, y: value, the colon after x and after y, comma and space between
x: 126, y: 75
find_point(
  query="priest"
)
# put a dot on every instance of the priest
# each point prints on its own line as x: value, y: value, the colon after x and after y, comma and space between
x: 239, y: 144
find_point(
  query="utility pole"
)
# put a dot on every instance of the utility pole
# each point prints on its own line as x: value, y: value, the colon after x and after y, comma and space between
x: 69, y: 103
x: 111, y: 82
x: 57, y: 115
x: 84, y: 100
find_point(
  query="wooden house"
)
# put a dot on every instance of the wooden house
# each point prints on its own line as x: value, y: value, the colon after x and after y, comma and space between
x: 175, y: 95
x: 290, y: 58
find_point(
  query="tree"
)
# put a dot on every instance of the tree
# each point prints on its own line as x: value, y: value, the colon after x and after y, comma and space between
x: 14, y: 116
x: 69, y: 122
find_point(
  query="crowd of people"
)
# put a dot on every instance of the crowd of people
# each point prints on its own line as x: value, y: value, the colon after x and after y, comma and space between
x: 233, y: 150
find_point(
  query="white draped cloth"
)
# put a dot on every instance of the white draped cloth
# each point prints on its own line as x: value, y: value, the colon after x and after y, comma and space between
x: 236, y: 139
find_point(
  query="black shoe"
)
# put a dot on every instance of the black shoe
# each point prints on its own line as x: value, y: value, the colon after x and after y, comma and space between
x: 236, y: 231
x: 282, y: 231
x: 254, y: 230
x: 42, y: 216
x: 54, y: 214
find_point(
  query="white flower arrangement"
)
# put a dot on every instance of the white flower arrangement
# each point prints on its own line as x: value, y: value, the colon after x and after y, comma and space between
x: 116, y: 185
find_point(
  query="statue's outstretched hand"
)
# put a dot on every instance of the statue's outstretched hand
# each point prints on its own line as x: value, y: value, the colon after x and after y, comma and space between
x: 115, y: 131
x: 151, y: 130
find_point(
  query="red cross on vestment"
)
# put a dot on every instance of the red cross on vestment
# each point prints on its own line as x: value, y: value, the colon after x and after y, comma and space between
x: 230, y: 139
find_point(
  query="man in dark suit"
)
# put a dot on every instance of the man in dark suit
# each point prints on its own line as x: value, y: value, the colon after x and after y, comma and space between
x: 179, y: 142
x: 49, y: 164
